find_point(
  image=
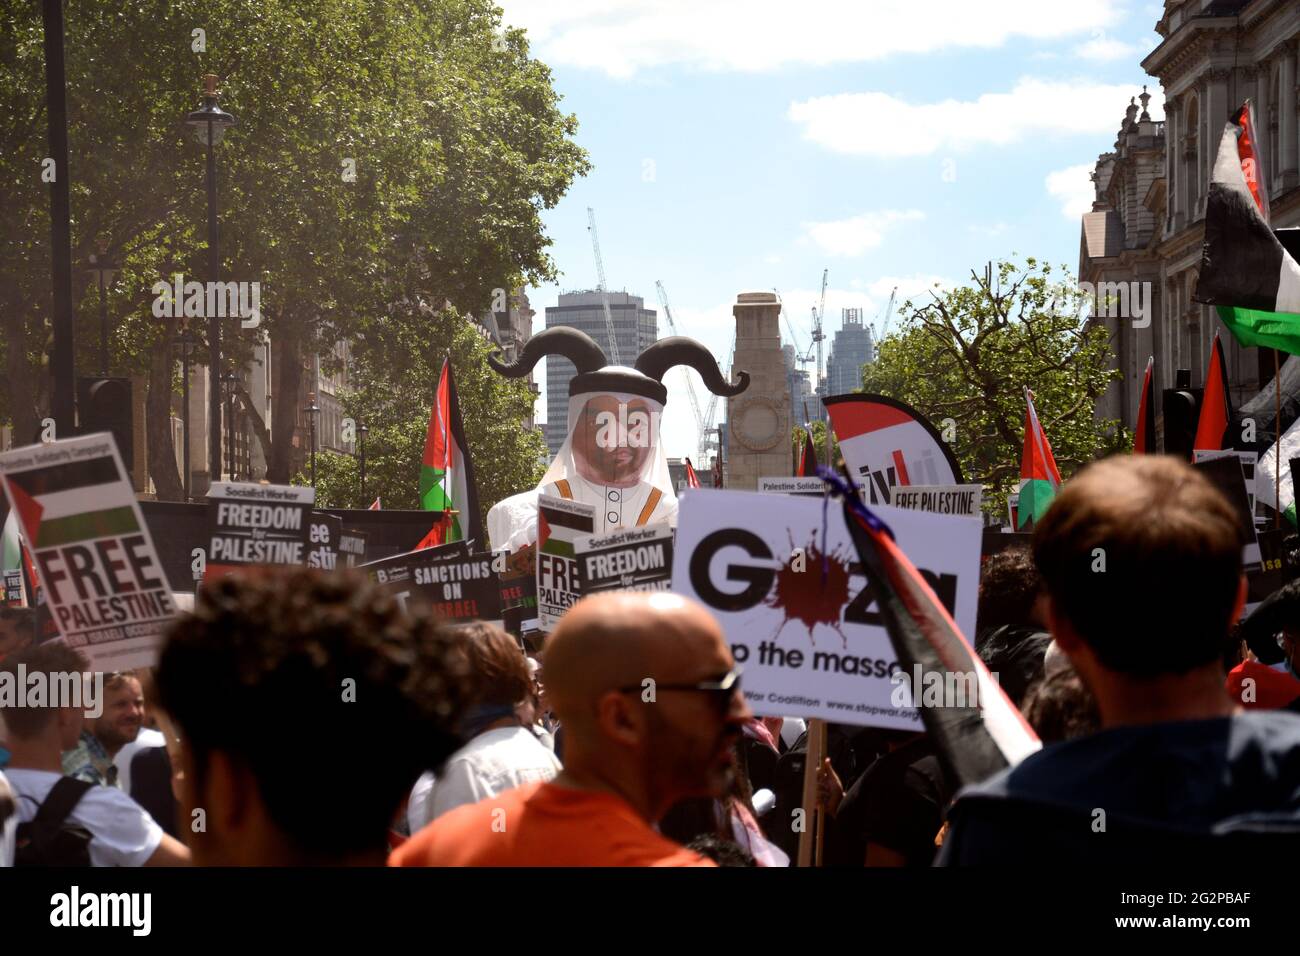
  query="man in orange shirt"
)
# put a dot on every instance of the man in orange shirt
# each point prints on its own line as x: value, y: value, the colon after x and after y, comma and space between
x: 649, y: 697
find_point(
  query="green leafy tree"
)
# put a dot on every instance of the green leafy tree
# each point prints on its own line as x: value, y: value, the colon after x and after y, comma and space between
x: 964, y: 358
x: 391, y: 157
x: 395, y: 376
x: 818, y: 429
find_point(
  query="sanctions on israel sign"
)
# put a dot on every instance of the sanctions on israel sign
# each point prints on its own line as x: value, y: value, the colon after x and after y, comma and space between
x: 456, y: 585
x: 803, y: 622
x: 98, y: 570
x: 887, y: 444
x: 638, y: 559
x: 257, y: 524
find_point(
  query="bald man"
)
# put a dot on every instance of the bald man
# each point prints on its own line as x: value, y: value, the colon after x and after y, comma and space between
x: 648, y: 694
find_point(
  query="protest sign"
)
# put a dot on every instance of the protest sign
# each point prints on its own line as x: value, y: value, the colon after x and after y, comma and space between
x: 636, y: 559
x: 456, y: 585
x: 1270, y: 574
x: 323, y: 533
x: 518, y: 592
x: 15, y: 595
x: 792, y: 486
x: 1249, y: 462
x: 803, y: 622
x: 961, y: 500
x: 101, y: 579
x: 1226, y: 472
x: 559, y: 523
x: 257, y: 524
x: 352, y: 548
x: 886, y: 443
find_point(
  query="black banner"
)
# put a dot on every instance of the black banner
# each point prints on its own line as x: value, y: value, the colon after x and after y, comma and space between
x: 457, y: 586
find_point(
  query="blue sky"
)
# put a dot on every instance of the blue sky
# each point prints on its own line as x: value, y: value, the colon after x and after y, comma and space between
x: 750, y: 144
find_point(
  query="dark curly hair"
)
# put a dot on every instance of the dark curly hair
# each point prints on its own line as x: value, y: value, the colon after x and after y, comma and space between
x: 260, y: 670
x: 1009, y: 586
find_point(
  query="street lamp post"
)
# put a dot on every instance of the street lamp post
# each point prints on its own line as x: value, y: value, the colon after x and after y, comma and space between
x: 229, y: 378
x: 209, y: 123
x: 103, y: 270
x: 187, y: 342
x: 312, y: 411
x: 363, y: 430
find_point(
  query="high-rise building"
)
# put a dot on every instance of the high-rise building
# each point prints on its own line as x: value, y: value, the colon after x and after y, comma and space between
x: 804, y: 402
x: 851, y: 349
x: 635, y: 327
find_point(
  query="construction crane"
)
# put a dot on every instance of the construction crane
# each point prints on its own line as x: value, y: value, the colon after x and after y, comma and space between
x: 604, y: 292
x: 818, y: 335
x: 690, y: 382
x: 800, y: 355
x: 885, y: 317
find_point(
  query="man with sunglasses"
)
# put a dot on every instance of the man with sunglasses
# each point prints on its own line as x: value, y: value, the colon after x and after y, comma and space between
x: 649, y: 697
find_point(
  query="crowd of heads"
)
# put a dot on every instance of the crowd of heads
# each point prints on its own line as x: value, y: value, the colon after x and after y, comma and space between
x: 280, y: 680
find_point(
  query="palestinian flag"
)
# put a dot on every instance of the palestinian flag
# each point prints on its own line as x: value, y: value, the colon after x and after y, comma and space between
x: 975, y: 741
x: 692, y: 479
x: 77, y: 501
x: 717, y: 470
x: 446, y: 475
x: 1039, y: 479
x: 374, y: 505
x: 560, y: 523
x: 1144, y: 438
x: 1267, y: 487
x: 438, y: 533
x: 807, y: 463
x: 1246, y: 269
x: 1214, y: 403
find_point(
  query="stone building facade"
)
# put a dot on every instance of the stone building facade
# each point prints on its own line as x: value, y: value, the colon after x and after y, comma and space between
x: 1147, y: 224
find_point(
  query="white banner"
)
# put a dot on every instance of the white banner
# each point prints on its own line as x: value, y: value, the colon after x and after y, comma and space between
x: 963, y: 500
x: 803, y: 625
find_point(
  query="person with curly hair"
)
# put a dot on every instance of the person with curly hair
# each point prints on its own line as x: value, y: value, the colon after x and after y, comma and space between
x: 283, y: 682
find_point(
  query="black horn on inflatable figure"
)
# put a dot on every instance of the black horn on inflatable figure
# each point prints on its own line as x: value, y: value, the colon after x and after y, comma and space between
x: 612, y: 457
x: 596, y: 375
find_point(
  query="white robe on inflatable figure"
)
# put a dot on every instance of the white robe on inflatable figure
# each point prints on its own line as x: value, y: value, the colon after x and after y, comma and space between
x: 641, y: 492
x: 612, y: 457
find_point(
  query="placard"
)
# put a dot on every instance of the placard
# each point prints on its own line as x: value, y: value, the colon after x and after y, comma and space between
x: 792, y: 486
x: 352, y: 548
x: 635, y: 559
x: 323, y: 532
x: 804, y: 623
x: 457, y: 586
x: 560, y: 522
x: 257, y: 524
x: 100, y: 577
x: 962, y: 500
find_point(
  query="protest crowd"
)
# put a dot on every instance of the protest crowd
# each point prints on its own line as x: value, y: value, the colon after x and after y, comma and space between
x: 626, y: 738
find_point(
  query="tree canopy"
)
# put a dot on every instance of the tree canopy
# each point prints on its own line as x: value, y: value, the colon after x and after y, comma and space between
x: 969, y: 353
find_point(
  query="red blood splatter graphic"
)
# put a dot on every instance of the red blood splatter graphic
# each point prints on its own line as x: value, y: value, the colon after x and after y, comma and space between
x: 804, y: 595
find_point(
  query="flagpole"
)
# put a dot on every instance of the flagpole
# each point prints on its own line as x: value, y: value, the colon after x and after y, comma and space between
x: 446, y: 450
x: 1277, y: 427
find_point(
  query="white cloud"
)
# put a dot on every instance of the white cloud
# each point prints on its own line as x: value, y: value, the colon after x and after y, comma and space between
x: 623, y: 37
x: 878, y: 124
x: 1104, y: 49
x: 1073, y: 188
x: 859, y: 234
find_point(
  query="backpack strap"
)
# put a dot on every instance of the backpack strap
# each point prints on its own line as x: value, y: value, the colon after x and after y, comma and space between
x: 59, y: 803
x: 650, y: 505
x: 562, y: 485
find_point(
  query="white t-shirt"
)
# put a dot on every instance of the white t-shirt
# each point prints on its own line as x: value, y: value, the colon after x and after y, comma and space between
x: 122, y: 833
x: 493, y: 762
x: 8, y: 831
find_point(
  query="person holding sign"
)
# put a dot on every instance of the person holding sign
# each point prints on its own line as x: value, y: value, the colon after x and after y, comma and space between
x: 649, y: 698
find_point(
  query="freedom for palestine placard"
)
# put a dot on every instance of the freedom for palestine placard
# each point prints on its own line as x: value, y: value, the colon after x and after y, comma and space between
x: 257, y: 524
